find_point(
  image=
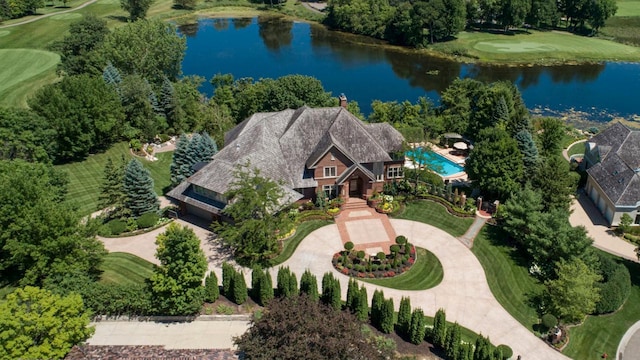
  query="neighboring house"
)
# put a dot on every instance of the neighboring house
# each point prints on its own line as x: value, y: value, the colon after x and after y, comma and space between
x: 612, y: 159
x: 306, y: 150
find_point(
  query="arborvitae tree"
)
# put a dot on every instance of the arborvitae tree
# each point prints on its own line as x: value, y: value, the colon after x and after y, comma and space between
x: 331, y: 291
x: 256, y: 277
x: 309, y: 285
x: 211, y: 290
x: 377, y: 301
x: 336, y: 296
x: 452, y: 347
x: 362, y: 308
x: 352, y: 295
x: 180, y: 168
x: 404, y: 316
x: 239, y: 288
x: 112, y: 195
x: 293, y: 284
x: 465, y: 352
x: 228, y: 272
x: 439, y: 331
x: 138, y: 186
x: 283, y: 286
x: 266, y: 289
x: 417, y: 328
x: 482, y: 349
x: 386, y: 316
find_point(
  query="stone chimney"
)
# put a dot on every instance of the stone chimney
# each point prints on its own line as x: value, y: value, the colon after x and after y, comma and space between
x: 343, y: 100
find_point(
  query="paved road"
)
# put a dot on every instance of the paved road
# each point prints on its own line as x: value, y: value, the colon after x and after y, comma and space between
x: 464, y: 291
x: 47, y: 15
x: 585, y: 213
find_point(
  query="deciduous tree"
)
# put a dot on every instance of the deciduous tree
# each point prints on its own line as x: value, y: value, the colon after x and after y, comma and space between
x: 37, y: 324
x: 176, y: 284
x: 26, y: 135
x: 77, y: 54
x: 573, y: 293
x: 137, y: 9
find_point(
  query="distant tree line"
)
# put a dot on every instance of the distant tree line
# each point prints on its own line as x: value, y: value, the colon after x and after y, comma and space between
x: 12, y: 9
x: 419, y: 23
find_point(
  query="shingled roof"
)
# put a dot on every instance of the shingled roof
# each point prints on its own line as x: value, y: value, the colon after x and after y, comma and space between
x: 282, y: 145
x: 618, y: 172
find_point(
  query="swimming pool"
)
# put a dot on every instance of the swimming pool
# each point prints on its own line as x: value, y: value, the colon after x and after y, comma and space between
x: 436, y: 162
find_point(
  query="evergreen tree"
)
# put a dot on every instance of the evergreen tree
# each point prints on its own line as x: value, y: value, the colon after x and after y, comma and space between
x: 404, y: 316
x: 501, y: 113
x: 377, y: 302
x: 112, y: 195
x: 293, y: 284
x: 166, y: 99
x: 482, y: 349
x: 417, y: 328
x: 266, y: 289
x: 362, y: 306
x: 256, y: 277
x: 209, y: 147
x: 452, y: 347
x: 331, y: 291
x: 287, y: 283
x: 465, y: 352
x: 153, y: 100
x: 180, y: 168
x: 111, y: 76
x: 211, y: 290
x: 439, y: 331
x: 239, y: 288
x: 138, y: 187
x: 386, y: 316
x: 309, y: 285
x: 352, y: 295
x: 528, y: 149
x: 228, y: 272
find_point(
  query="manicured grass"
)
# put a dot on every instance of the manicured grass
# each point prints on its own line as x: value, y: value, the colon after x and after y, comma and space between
x: 600, y: 334
x: 425, y: 274
x: 538, y: 47
x: 292, y: 243
x: 85, y: 177
x: 432, y: 213
x: 22, y: 70
x: 628, y: 8
x: 507, y: 275
x: 623, y: 29
x: 124, y: 268
x: 576, y: 149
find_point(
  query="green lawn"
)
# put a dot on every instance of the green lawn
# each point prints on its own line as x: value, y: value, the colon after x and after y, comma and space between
x: 576, y: 149
x: 425, y: 274
x: 538, y: 47
x: 85, y: 177
x: 603, y: 333
x: 628, y: 8
x: 124, y: 268
x: 432, y: 213
x: 292, y: 243
x: 507, y: 275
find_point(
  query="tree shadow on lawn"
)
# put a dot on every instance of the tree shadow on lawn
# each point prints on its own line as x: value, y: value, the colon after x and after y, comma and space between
x: 119, y: 18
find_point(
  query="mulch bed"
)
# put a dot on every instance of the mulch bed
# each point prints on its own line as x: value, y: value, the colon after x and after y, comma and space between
x: 423, y: 351
x: 139, y: 352
x: 247, y: 308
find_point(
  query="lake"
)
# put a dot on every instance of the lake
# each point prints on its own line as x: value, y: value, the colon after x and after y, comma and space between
x: 267, y: 47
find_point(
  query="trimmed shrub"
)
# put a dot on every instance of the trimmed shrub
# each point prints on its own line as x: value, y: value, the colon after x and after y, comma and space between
x: 309, y: 285
x: 404, y: 316
x: 360, y: 255
x: 348, y: 246
x: 266, y: 289
x: 401, y: 240
x: 381, y: 256
x: 506, y: 351
x: 549, y: 321
x: 117, y: 226
x: 147, y: 220
x: 239, y: 289
x: 394, y: 249
x: 211, y: 290
x: 352, y: 295
x: 386, y: 316
x: 417, y: 328
x: 615, y: 286
x: 228, y: 272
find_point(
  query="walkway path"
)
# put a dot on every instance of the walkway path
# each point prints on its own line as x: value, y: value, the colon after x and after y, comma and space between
x: 585, y: 213
x: 473, y: 230
x: 47, y: 15
x: 565, y: 152
x: 630, y: 343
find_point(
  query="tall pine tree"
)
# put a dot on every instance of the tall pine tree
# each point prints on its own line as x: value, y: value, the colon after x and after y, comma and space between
x: 138, y: 187
x: 112, y: 195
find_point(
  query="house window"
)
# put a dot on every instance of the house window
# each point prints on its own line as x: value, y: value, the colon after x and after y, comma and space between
x: 637, y: 219
x: 330, y: 171
x: 329, y: 190
x: 394, y: 172
x: 380, y: 177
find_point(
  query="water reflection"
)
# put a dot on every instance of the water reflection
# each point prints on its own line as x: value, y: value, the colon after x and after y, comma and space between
x: 190, y: 30
x: 366, y: 69
x: 275, y: 32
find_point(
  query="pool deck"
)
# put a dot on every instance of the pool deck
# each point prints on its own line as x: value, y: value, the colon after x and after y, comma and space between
x: 460, y: 177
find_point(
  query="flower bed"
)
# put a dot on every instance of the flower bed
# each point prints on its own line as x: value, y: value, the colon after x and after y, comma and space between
x: 358, y: 264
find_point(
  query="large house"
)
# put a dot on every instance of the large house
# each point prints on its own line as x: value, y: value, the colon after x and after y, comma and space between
x: 613, y: 165
x: 306, y: 150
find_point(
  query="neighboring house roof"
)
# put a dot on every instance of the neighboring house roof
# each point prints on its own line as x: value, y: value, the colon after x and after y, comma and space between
x: 618, y: 172
x: 282, y: 145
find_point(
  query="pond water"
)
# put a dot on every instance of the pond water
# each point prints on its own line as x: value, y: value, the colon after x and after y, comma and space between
x: 272, y: 47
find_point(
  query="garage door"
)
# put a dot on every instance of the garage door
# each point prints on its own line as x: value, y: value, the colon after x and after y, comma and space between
x: 609, y: 214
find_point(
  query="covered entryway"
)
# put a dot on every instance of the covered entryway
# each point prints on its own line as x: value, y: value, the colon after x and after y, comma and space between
x: 353, y: 181
x: 355, y: 187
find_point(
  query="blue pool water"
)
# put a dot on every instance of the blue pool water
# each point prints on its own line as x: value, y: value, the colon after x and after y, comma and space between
x: 436, y: 162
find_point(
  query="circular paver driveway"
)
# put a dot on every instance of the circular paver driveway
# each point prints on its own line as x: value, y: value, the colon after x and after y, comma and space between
x: 464, y: 292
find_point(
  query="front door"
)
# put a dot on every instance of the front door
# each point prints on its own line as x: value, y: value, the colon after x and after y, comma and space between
x: 354, y: 187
